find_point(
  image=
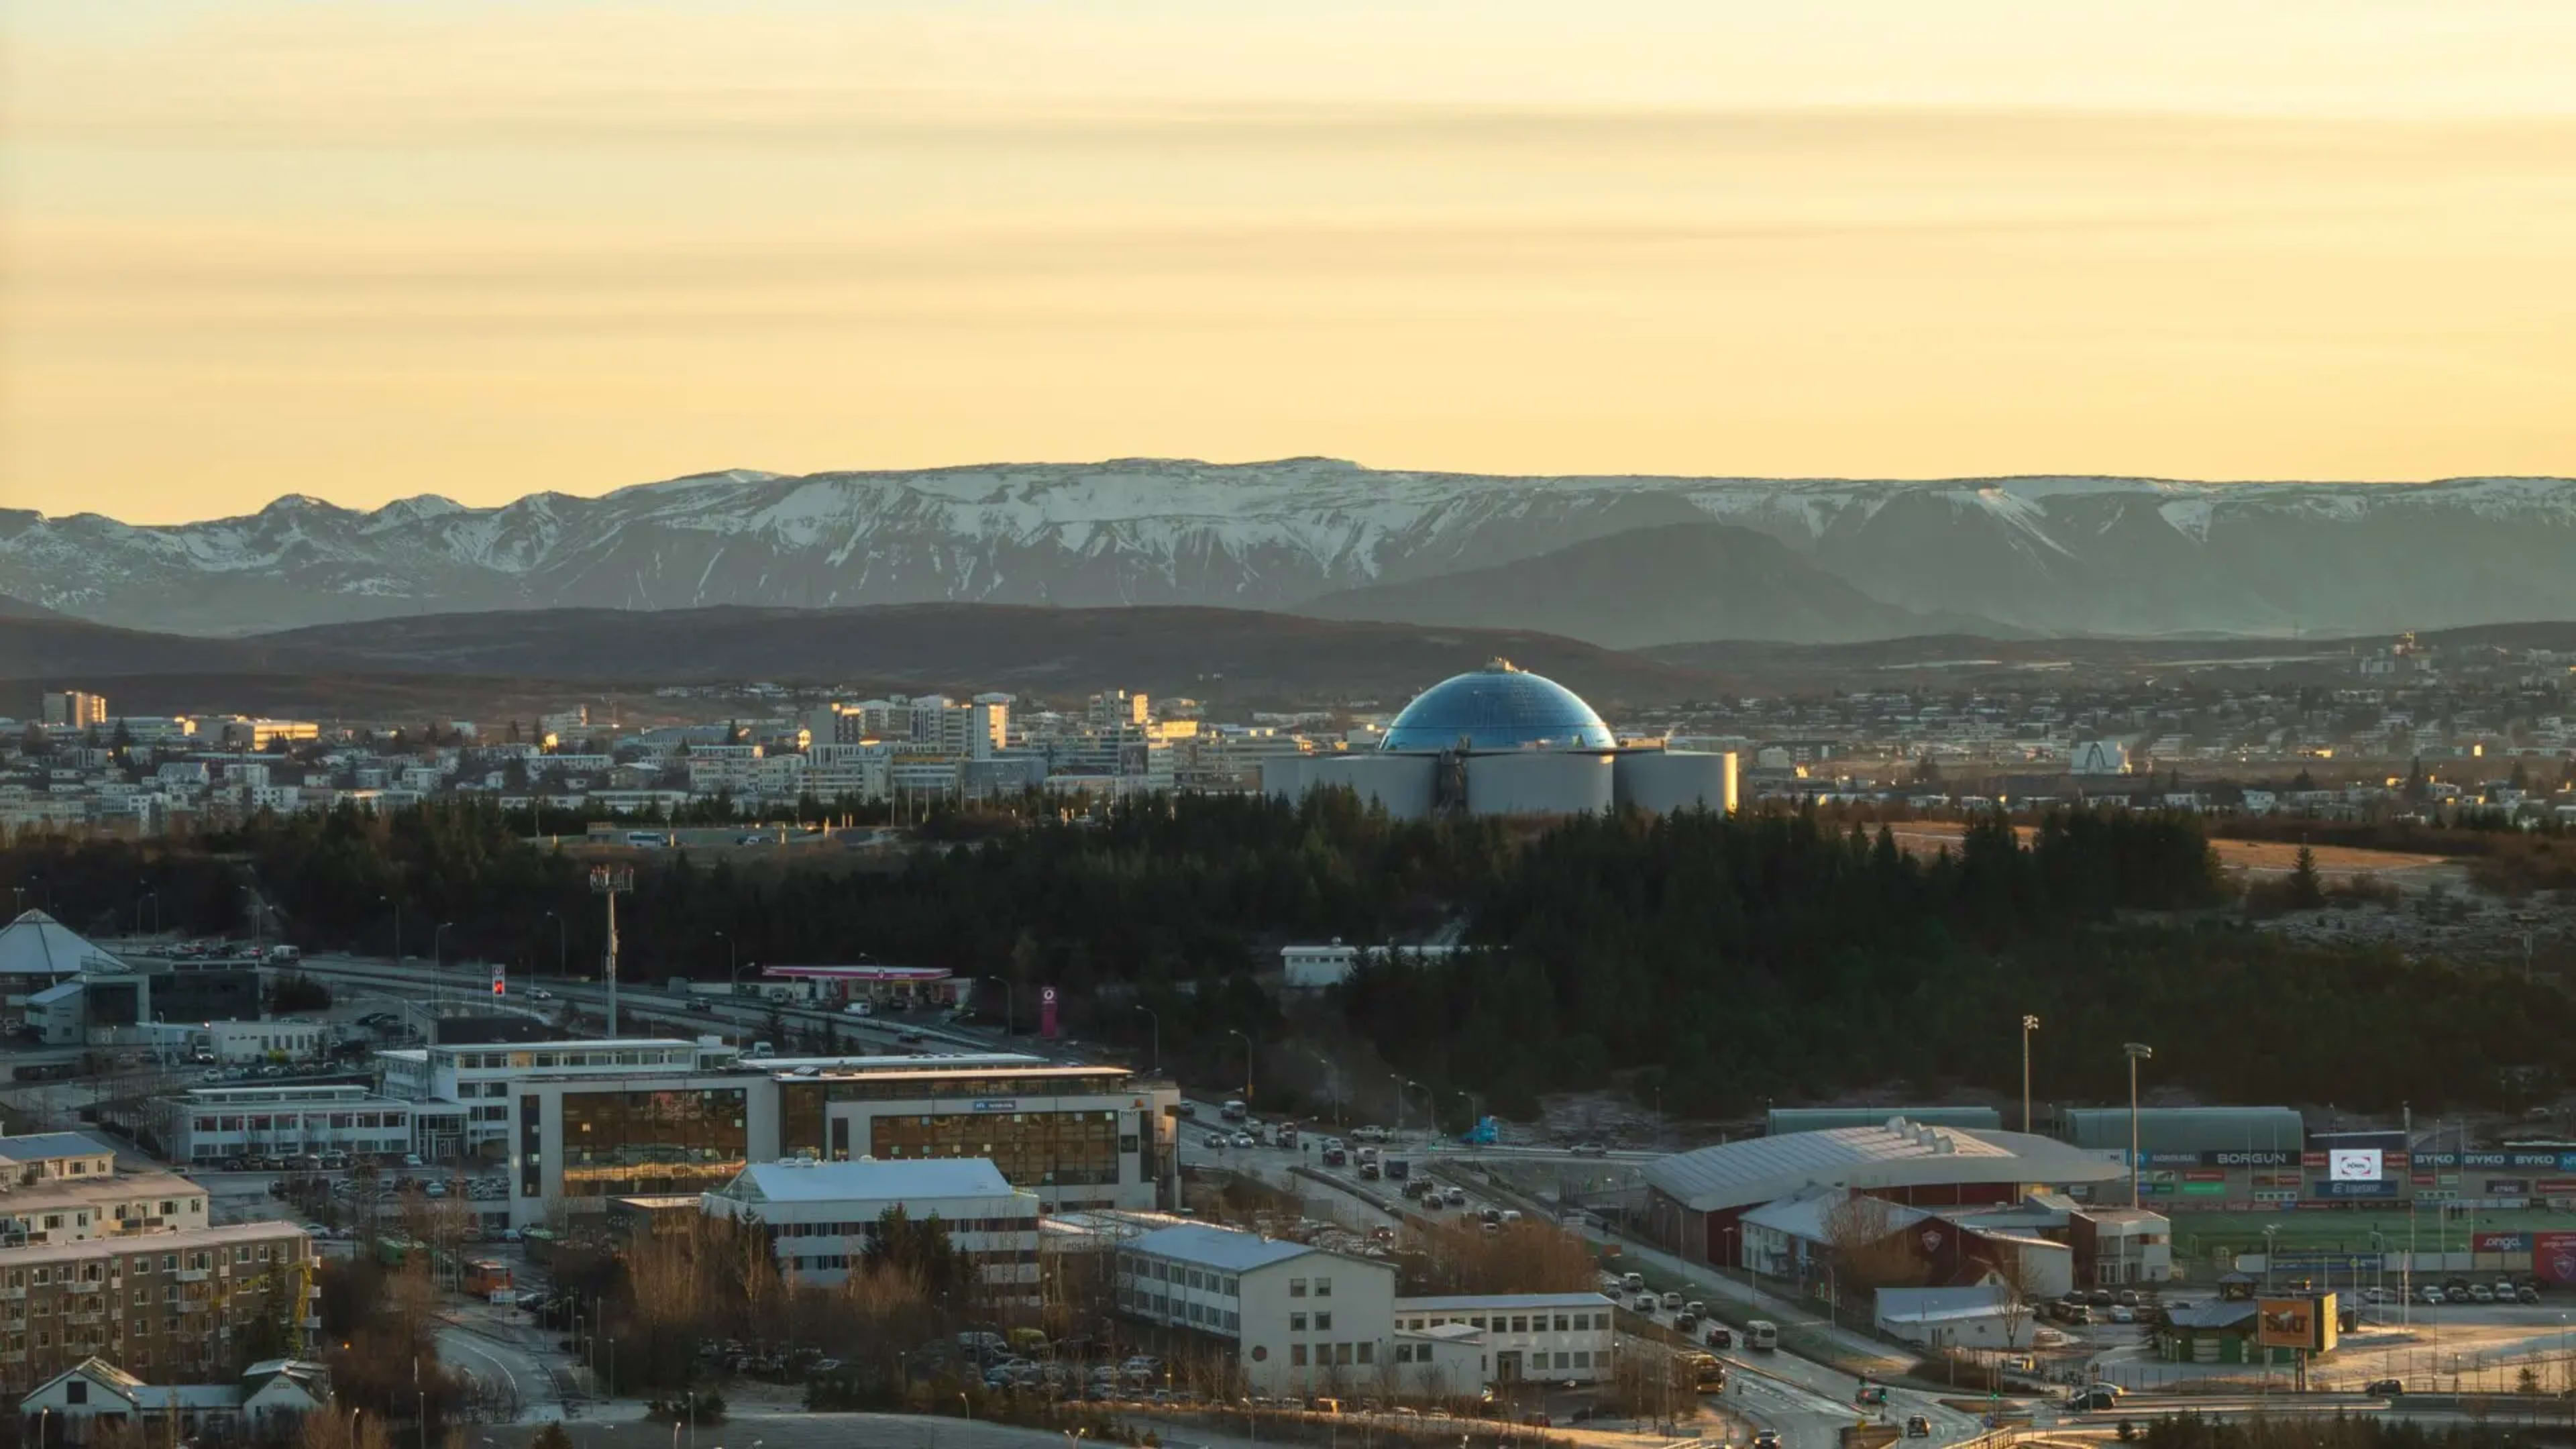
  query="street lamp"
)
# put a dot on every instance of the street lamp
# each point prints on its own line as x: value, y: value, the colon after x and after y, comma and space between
x: 1332, y: 1084
x: 438, y: 946
x: 1247, y: 1063
x: 1157, y: 1019
x: 397, y: 905
x: 2136, y: 1052
x: 563, y: 951
x: 733, y: 962
x: 2029, y: 1024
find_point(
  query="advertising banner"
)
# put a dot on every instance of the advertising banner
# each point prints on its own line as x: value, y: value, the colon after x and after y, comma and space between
x: 2373, y: 1188
x: 2554, y: 1187
x: 2205, y: 1174
x: 2553, y: 1257
x: 2301, y: 1323
x: 2500, y: 1242
x: 2353, y: 1164
x: 2508, y: 1187
x: 2533, y: 1159
x: 1046, y: 1012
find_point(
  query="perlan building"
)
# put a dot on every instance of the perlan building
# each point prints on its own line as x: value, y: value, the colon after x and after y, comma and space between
x: 1504, y: 741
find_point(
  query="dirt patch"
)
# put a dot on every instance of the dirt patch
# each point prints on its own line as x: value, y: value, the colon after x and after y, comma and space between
x: 2260, y: 857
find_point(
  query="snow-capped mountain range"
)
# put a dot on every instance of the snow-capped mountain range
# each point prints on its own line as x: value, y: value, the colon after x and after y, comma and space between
x: 2046, y: 555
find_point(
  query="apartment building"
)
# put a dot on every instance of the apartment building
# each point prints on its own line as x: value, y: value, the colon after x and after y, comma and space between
x: 821, y: 1215
x: 1301, y: 1320
x: 199, y: 1301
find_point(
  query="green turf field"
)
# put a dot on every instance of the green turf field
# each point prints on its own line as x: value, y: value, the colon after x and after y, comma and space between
x: 2197, y: 1235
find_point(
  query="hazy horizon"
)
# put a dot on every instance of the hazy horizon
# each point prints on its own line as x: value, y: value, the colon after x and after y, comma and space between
x: 480, y: 249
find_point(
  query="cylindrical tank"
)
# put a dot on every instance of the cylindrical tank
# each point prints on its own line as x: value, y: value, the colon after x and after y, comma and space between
x: 1285, y: 776
x: 1660, y: 782
x: 1401, y: 783
x: 1538, y: 782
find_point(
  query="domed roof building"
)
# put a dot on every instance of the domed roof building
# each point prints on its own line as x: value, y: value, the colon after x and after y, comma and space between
x: 1498, y: 707
x: 1503, y: 741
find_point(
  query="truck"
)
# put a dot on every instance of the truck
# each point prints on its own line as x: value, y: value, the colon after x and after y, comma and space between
x: 1235, y: 1111
x: 1288, y: 1135
x: 282, y: 955
x: 1398, y: 1168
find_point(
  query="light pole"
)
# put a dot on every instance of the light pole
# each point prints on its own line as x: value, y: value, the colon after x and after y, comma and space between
x: 397, y: 905
x: 2136, y: 1052
x: 2271, y: 1250
x: 1156, y: 1018
x: 2029, y: 1024
x: 1332, y: 1084
x: 733, y: 964
x: 1398, y: 1079
x: 563, y: 948
x: 1247, y: 1064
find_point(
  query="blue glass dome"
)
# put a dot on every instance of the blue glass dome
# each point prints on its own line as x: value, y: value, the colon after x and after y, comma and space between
x: 1498, y: 708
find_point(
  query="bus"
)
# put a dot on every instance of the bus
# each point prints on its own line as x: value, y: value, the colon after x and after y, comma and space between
x: 1762, y: 1333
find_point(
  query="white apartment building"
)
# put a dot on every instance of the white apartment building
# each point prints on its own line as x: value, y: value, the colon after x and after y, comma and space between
x: 849, y: 770
x: 63, y: 1187
x: 240, y: 1041
x: 822, y: 1215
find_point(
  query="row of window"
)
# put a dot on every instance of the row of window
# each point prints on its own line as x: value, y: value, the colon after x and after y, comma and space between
x: 1514, y: 1323
x: 864, y: 1229
x: 665, y: 1057
x: 1332, y: 1355
x: 308, y: 1122
x: 1206, y: 1280
x: 141, y: 1264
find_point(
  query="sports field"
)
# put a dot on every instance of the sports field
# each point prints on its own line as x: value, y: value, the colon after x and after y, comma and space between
x: 2198, y: 1235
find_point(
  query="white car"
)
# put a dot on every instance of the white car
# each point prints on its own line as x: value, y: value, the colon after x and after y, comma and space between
x: 1246, y: 1139
x: 540, y: 994
x: 1217, y: 1142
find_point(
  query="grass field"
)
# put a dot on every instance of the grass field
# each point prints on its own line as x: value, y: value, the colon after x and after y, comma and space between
x: 2197, y: 1235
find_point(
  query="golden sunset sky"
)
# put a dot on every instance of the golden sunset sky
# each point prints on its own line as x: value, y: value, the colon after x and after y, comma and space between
x: 366, y: 250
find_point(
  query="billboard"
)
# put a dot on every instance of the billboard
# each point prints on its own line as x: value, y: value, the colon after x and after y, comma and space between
x: 2353, y: 1164
x: 2553, y: 1257
x: 2299, y: 1323
x: 2500, y: 1242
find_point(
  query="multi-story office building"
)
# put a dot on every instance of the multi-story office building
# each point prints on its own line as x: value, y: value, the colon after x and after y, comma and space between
x: 1076, y: 1136
x: 187, y: 1302
x: 821, y: 1215
x: 210, y: 1126
x: 476, y: 1079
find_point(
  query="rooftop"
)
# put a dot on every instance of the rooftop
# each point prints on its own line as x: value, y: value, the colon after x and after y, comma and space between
x: 35, y: 944
x: 171, y: 1242
x: 879, y: 1181
x: 1897, y: 1154
x: 48, y: 1146
x: 1214, y: 1247
x: 2187, y: 1129
x: 1505, y: 1301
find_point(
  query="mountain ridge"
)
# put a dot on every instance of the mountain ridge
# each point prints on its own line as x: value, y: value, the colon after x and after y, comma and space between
x: 2042, y: 553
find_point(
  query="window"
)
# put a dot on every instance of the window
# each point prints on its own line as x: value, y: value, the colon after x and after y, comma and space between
x: 1520, y: 1323
x: 1479, y: 1321
x: 1583, y: 1358
x: 1368, y: 1352
x: 76, y: 1392
x: 1296, y: 1287
x: 1296, y: 1323
x: 1560, y: 1323
x: 1562, y: 1361
x: 1323, y: 1323
x: 1323, y: 1287
x: 1404, y: 1353
x: 1296, y: 1355
x: 1342, y: 1354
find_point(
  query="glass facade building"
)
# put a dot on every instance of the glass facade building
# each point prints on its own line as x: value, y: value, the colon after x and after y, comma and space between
x: 682, y: 1140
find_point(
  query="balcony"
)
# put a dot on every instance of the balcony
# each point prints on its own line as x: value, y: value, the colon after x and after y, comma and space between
x: 11, y: 1295
x: 84, y: 1320
x: 195, y: 1275
x: 85, y: 1285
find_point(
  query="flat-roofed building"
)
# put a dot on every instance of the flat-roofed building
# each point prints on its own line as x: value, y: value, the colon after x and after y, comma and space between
x: 476, y: 1078
x: 210, y: 1126
x: 1559, y: 1337
x: 821, y: 1216
x: 1077, y: 1136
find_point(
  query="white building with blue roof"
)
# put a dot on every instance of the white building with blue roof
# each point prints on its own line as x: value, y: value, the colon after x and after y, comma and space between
x: 821, y: 1215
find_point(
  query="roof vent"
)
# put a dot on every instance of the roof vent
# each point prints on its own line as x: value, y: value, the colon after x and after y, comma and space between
x: 1896, y: 1125
x: 1944, y: 1144
x: 1926, y: 1138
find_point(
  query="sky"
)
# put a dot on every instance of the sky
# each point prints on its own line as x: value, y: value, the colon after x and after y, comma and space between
x: 481, y: 248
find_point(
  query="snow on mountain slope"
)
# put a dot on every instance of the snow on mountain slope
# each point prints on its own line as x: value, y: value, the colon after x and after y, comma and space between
x: 2050, y: 554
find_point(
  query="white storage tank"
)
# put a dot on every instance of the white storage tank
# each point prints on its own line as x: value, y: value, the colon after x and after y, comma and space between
x: 1660, y: 782
x: 1539, y: 782
x: 1401, y: 783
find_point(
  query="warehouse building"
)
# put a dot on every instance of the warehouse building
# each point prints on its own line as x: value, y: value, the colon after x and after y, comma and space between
x: 1504, y: 741
x: 1695, y: 1200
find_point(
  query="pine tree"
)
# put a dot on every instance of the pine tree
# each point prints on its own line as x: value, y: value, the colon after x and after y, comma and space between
x: 2307, y: 888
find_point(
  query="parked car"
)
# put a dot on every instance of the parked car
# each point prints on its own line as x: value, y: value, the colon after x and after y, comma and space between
x: 2481, y: 1293
x: 2527, y: 1293
x: 2123, y: 1313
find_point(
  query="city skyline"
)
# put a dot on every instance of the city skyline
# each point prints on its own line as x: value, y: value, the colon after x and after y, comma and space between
x: 482, y: 251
